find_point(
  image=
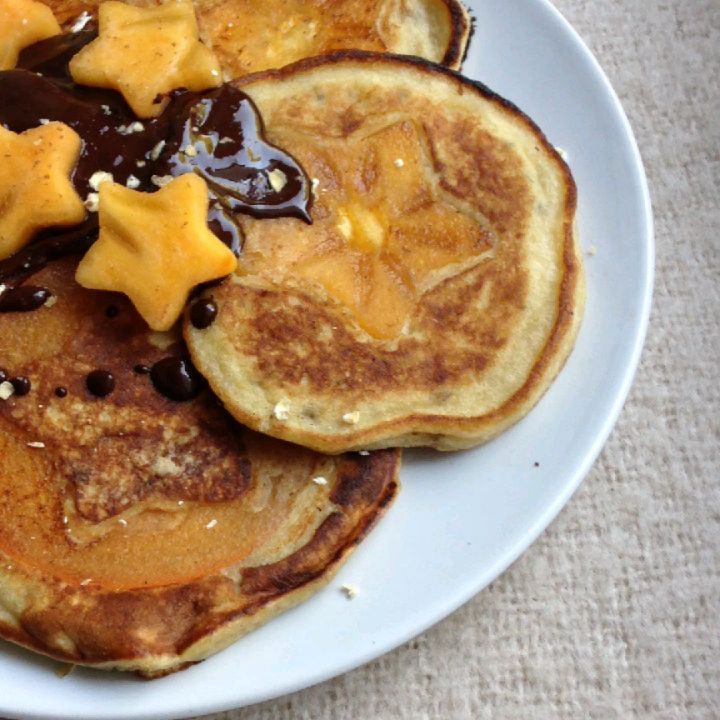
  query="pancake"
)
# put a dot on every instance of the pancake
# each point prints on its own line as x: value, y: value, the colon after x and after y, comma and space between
x: 250, y: 36
x: 440, y: 287
x: 144, y: 534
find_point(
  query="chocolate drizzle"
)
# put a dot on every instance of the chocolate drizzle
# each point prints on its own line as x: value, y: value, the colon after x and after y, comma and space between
x: 222, y: 126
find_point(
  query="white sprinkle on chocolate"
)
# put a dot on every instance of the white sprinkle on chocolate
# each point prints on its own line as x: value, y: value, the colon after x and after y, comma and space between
x: 278, y: 179
x: 133, y: 127
x: 211, y: 524
x: 106, y: 109
x: 351, y: 418
x: 81, y: 21
x: 140, y: 163
x: 92, y: 202
x: 132, y: 182
x: 36, y: 444
x: 6, y: 390
x: 363, y: 452
x: 350, y: 591
x: 98, y: 178
x: 161, y: 180
x: 155, y: 152
x: 281, y: 411
x: 43, y: 121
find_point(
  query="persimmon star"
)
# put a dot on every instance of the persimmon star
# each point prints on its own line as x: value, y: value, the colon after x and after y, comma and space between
x: 145, y: 52
x: 35, y: 187
x: 155, y: 247
x: 22, y: 23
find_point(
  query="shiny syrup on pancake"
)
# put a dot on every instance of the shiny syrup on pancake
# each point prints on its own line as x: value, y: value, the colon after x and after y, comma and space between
x: 222, y: 125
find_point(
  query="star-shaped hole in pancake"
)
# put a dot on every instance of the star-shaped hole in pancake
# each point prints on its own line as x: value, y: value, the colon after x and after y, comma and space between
x: 155, y: 247
x: 145, y: 53
x: 22, y: 23
x: 35, y: 187
x: 383, y: 232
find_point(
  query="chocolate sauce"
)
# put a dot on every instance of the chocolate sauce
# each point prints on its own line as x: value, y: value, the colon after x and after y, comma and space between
x: 141, y: 369
x: 111, y: 311
x: 61, y: 392
x: 222, y: 126
x: 177, y: 379
x: 23, y: 298
x: 100, y: 382
x: 224, y: 133
x: 203, y: 313
x: 21, y: 385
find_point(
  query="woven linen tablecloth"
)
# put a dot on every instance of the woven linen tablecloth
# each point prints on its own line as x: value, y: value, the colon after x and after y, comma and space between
x: 615, y: 611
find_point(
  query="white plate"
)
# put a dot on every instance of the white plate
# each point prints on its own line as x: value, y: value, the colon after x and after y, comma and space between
x: 461, y: 519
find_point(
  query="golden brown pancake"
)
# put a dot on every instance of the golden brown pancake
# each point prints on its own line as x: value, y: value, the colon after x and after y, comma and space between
x: 144, y: 534
x: 439, y: 289
x: 250, y: 36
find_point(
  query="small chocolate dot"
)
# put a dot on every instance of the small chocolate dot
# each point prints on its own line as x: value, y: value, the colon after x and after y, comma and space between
x: 61, y: 392
x: 141, y: 369
x: 112, y: 311
x: 21, y: 385
x: 203, y: 313
x: 100, y: 382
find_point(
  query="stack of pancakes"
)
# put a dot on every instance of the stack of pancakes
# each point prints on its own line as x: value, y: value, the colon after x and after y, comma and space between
x: 431, y: 302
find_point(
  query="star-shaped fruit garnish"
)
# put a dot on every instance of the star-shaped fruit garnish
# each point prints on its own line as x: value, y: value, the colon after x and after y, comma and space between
x: 22, y: 23
x: 144, y: 53
x: 35, y: 187
x: 384, y: 232
x: 155, y: 247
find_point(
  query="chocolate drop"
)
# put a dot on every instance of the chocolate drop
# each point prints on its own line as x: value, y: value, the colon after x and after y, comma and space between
x: 21, y: 384
x: 23, y: 298
x: 203, y: 313
x: 100, y: 382
x: 177, y: 379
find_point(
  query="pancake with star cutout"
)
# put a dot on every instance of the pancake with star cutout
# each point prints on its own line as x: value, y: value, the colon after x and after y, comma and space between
x: 144, y: 534
x: 249, y: 36
x: 440, y: 288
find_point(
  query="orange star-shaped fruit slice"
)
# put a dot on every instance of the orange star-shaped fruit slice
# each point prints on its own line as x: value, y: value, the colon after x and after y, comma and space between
x: 155, y: 247
x: 35, y: 187
x: 145, y: 53
x: 22, y: 23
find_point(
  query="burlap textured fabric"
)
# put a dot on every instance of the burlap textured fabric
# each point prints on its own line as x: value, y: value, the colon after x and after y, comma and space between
x: 615, y: 612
